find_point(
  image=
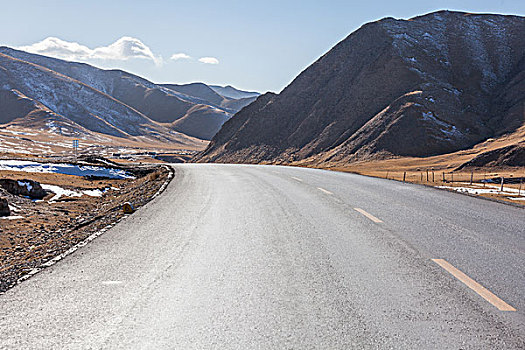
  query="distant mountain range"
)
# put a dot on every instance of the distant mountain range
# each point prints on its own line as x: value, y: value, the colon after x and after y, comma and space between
x: 232, y: 93
x: 80, y: 100
x: 430, y: 85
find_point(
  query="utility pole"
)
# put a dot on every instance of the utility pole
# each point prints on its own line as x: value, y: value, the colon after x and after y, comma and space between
x: 75, y: 148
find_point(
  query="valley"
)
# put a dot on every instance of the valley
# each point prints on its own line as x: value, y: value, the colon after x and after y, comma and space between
x: 370, y: 196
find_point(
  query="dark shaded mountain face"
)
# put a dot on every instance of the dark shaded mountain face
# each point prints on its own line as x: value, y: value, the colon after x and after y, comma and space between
x: 111, y: 102
x: 429, y: 85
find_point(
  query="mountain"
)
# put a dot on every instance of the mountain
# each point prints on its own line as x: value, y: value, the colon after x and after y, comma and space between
x: 232, y: 93
x: 201, y: 121
x: 36, y: 97
x: 209, y: 94
x: 111, y: 102
x: 199, y: 90
x: 430, y: 85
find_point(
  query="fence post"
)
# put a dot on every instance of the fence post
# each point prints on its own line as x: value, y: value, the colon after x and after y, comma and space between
x: 519, y: 188
x: 471, y: 176
x: 404, y: 176
x: 443, y: 173
x: 427, y: 175
x: 420, y: 176
x: 432, y: 175
x: 502, y: 181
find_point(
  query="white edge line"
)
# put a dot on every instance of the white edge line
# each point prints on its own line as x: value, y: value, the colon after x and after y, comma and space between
x: 296, y: 178
x: 90, y: 238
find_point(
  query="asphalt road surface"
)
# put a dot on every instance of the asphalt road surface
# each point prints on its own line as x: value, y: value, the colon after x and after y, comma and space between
x: 265, y: 257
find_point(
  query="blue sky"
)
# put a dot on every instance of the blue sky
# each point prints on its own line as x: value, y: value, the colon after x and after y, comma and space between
x: 252, y: 45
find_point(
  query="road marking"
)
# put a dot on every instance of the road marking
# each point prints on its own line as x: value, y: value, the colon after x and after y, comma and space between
x: 475, y: 286
x: 368, y: 215
x: 296, y: 178
x: 323, y: 190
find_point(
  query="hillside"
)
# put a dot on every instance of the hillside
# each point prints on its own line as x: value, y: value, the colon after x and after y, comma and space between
x: 110, y: 102
x: 36, y: 97
x: 198, y: 90
x: 232, y: 93
x: 431, y: 85
x: 211, y: 95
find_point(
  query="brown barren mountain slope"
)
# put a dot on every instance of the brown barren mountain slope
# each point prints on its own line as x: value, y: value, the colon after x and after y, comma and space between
x: 41, y: 100
x: 87, y: 99
x: 433, y: 85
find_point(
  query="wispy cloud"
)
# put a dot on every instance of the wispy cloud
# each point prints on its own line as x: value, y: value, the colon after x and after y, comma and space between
x: 121, y: 50
x: 180, y: 56
x: 209, y: 60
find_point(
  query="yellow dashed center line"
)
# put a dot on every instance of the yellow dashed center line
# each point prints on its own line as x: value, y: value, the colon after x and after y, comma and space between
x: 475, y: 286
x: 368, y: 215
x: 325, y: 191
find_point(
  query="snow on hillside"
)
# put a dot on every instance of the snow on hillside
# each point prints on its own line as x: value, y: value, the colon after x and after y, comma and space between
x: 66, y: 169
x: 78, y: 102
x: 433, y: 36
x: 99, y: 79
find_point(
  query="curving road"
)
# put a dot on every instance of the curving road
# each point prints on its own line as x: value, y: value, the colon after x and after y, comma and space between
x: 266, y: 257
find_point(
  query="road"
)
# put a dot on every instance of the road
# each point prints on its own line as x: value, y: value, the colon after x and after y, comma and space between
x: 267, y: 257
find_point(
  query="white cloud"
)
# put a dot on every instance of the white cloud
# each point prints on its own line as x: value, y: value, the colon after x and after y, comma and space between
x: 209, y: 60
x: 121, y: 50
x: 179, y: 56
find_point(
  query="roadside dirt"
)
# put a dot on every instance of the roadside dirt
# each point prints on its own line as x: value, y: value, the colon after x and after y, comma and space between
x: 482, y: 182
x: 37, y: 231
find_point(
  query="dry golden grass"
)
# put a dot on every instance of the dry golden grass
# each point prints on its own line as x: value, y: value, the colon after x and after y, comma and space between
x: 475, y: 179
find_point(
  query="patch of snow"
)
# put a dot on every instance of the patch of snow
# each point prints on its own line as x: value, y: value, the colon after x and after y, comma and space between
x: 26, y: 185
x: 448, y: 129
x: 473, y: 190
x: 18, y: 132
x: 506, y: 189
x: 93, y: 193
x: 12, y: 217
x: 66, y: 169
x: 19, y: 94
x: 59, y: 192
